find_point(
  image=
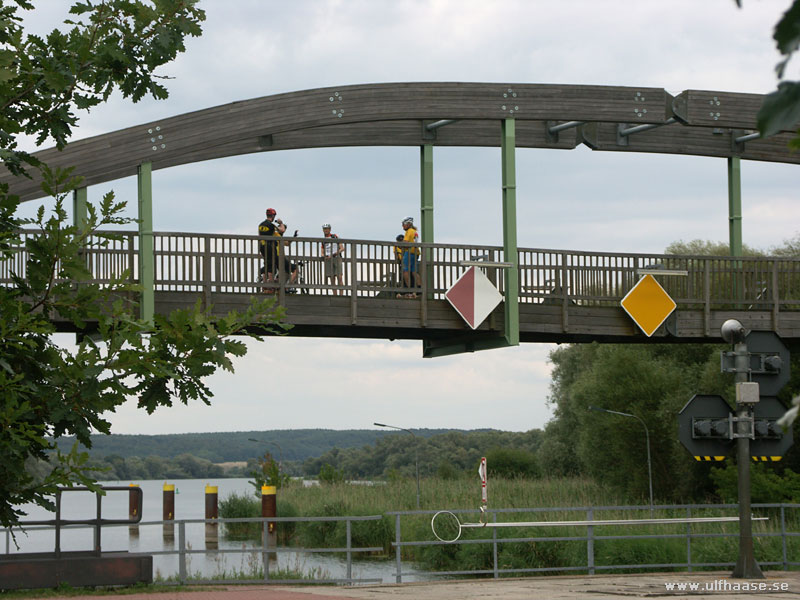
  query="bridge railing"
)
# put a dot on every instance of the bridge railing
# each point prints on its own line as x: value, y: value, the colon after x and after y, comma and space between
x: 233, y: 264
x: 107, y: 258
x: 226, y: 263
x: 601, y: 279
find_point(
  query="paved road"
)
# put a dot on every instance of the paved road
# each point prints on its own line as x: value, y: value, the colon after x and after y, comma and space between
x: 779, y: 585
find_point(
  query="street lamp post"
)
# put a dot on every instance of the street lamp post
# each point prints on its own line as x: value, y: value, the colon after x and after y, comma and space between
x: 647, y: 438
x: 416, y: 450
x: 280, y: 450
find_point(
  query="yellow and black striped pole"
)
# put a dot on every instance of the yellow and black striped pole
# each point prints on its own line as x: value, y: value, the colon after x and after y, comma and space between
x: 133, y: 509
x: 269, y: 508
x: 168, y: 510
x: 212, y: 512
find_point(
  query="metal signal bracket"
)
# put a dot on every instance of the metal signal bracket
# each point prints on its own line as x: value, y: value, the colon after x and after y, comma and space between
x: 733, y: 434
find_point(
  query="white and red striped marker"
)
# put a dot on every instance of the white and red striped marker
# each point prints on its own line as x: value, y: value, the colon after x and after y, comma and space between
x: 473, y: 296
x: 482, y: 474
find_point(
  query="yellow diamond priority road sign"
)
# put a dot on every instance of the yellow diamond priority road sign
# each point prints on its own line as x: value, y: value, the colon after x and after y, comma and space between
x: 648, y: 304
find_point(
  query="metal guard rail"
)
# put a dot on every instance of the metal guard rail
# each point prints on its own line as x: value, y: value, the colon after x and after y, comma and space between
x: 787, y: 560
x: 590, y: 567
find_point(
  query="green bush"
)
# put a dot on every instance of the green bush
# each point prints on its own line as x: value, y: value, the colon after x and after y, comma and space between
x: 539, y: 555
x: 641, y: 552
x: 242, y: 506
x: 378, y: 533
x: 319, y: 534
x: 286, y: 529
x: 269, y: 472
x: 766, y: 486
x: 447, y: 471
x: 512, y: 462
x: 330, y: 474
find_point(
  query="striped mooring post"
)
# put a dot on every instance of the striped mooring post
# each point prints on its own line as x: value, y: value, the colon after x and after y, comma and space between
x: 133, y: 509
x: 269, y: 508
x: 168, y: 511
x: 212, y: 512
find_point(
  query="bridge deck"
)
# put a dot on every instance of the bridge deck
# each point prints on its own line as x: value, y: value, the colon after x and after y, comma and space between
x: 564, y: 295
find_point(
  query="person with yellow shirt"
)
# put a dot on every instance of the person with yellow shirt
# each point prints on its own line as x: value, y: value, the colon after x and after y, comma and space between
x: 269, y: 249
x: 410, y: 257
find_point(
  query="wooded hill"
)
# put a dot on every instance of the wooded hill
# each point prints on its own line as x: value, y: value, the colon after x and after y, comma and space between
x: 285, y: 444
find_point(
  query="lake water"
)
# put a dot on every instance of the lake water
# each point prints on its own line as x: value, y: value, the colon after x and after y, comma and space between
x: 189, y: 504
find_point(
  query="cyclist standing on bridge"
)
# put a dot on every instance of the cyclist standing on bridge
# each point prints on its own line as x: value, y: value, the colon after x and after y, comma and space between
x: 270, y: 228
x: 410, y: 257
x: 332, y: 252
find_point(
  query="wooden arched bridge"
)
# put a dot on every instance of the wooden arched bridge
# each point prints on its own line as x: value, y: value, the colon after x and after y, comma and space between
x: 548, y: 295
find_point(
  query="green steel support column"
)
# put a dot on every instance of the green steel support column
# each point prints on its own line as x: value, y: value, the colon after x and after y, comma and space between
x: 735, y: 214
x: 426, y: 206
x: 426, y: 191
x: 146, y: 248
x: 735, y: 205
x: 79, y: 211
x: 508, y: 144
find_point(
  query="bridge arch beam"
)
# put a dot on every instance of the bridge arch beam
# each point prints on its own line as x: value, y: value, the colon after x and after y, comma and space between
x: 395, y: 114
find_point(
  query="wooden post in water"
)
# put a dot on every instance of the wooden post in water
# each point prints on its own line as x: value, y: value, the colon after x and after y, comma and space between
x: 168, y: 512
x: 212, y: 512
x: 133, y: 509
x: 269, y: 508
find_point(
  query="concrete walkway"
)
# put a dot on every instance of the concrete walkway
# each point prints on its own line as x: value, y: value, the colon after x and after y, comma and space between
x: 778, y: 584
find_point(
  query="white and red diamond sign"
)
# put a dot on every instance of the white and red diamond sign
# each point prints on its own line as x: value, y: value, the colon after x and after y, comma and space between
x: 473, y: 296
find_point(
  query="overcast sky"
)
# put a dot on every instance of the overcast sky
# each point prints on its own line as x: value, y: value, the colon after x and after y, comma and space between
x: 578, y: 199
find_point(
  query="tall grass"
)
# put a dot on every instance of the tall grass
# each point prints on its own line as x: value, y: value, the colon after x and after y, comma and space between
x: 344, y: 499
x: 440, y: 494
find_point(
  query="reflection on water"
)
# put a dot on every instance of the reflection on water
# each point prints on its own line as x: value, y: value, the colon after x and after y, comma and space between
x: 189, y: 504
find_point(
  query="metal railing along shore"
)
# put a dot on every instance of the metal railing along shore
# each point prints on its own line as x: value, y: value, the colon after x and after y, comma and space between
x: 591, y: 535
x: 783, y: 526
x: 184, y: 550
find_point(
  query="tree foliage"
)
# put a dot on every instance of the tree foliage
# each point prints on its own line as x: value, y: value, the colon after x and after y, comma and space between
x: 451, y: 454
x: 512, y: 462
x: 227, y: 446
x: 767, y: 486
x: 183, y: 466
x: 330, y: 475
x: 653, y: 382
x: 707, y: 248
x: 110, y: 45
x: 49, y: 391
x: 268, y: 472
x: 781, y: 109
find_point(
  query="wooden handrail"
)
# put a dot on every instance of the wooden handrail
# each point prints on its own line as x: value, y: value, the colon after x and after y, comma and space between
x: 229, y: 263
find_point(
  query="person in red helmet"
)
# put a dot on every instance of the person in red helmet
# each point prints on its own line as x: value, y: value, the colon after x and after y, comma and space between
x: 270, y: 228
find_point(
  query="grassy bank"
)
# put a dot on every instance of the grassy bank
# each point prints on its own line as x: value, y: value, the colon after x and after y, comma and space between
x: 436, y: 494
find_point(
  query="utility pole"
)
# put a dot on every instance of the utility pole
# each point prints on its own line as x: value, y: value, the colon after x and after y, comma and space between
x: 707, y: 427
x: 416, y: 450
x: 733, y: 332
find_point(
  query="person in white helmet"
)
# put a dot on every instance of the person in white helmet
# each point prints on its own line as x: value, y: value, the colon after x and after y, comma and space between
x: 332, y: 252
x: 410, y: 257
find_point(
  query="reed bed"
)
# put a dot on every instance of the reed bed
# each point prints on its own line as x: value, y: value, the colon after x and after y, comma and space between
x: 344, y: 499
